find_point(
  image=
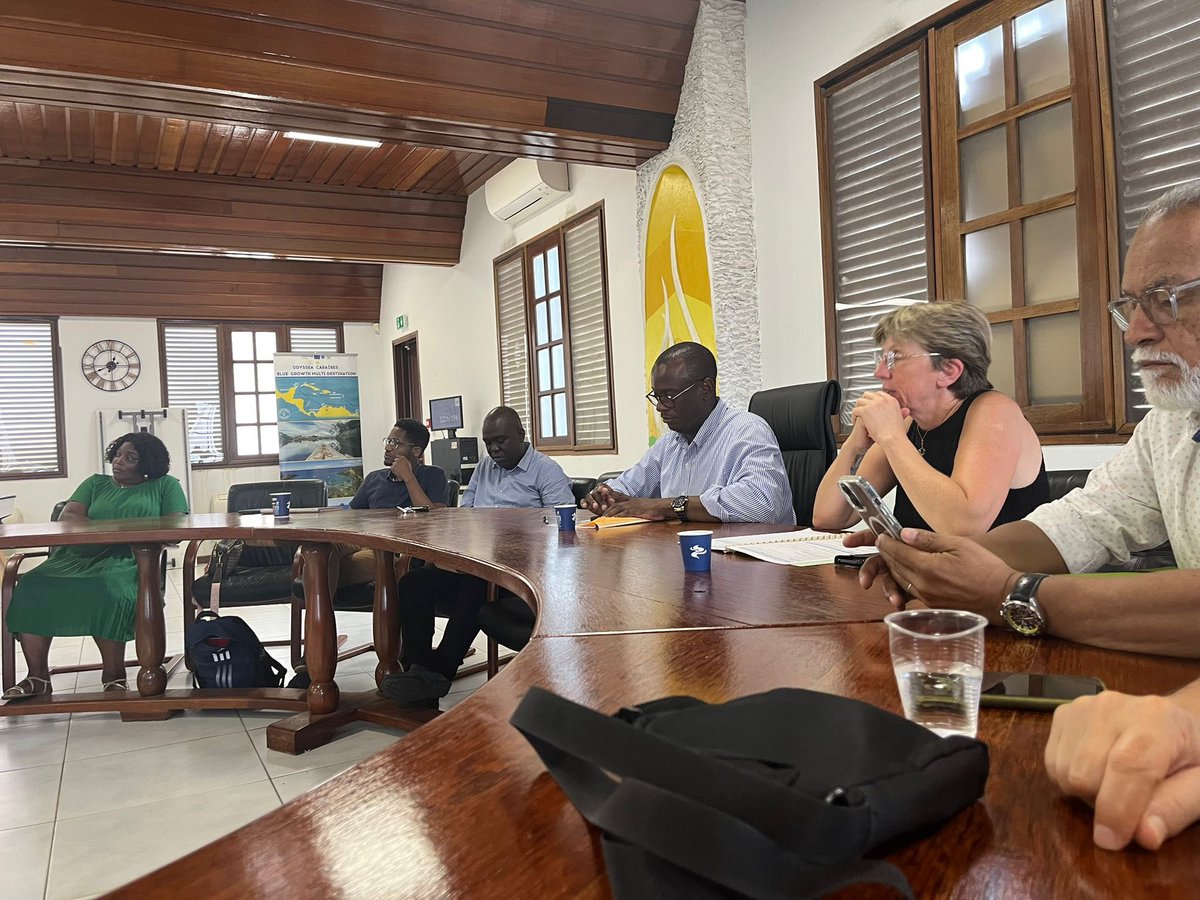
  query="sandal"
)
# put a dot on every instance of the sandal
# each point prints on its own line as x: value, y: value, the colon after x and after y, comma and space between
x: 26, y: 688
x: 117, y: 684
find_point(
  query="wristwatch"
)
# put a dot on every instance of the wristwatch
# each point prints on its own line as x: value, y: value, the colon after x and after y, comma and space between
x: 1020, y: 609
x: 679, y: 507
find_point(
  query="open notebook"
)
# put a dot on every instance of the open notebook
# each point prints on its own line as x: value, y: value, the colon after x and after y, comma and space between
x: 791, y: 548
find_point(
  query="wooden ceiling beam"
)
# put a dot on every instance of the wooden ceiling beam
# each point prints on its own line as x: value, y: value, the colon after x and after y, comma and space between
x: 75, y: 205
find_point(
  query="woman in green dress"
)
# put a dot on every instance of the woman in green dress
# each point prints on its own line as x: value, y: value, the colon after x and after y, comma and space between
x: 92, y: 590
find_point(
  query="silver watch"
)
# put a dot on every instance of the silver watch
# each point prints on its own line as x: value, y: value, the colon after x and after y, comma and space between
x: 1020, y: 609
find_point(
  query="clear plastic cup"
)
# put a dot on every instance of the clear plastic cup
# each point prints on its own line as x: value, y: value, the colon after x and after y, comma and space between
x: 937, y: 655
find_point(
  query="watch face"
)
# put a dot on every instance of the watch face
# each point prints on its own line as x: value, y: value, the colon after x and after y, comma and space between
x: 111, y: 365
x: 1022, y: 618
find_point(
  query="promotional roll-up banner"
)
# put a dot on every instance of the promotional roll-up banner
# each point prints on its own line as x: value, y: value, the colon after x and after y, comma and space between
x: 320, y: 435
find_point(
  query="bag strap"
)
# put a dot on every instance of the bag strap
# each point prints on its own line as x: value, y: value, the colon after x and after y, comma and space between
x: 578, y: 744
x: 224, y: 559
x: 819, y: 830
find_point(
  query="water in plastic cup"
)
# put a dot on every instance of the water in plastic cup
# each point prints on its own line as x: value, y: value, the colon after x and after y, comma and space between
x: 281, y: 504
x: 937, y: 655
x: 566, y: 517
x: 697, y: 550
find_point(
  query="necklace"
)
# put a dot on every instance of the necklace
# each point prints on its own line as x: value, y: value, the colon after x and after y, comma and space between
x: 921, y: 435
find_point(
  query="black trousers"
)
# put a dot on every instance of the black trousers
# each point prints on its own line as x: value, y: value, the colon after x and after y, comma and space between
x: 427, y: 592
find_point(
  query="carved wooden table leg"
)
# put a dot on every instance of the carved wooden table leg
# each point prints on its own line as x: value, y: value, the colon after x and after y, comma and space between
x: 150, y: 633
x: 320, y: 647
x: 385, y: 621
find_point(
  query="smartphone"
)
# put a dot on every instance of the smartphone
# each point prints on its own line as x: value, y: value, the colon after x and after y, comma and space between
x: 865, y: 501
x: 1022, y: 690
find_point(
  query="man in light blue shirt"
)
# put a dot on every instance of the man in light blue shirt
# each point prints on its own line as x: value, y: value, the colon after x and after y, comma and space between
x: 514, y: 475
x: 716, y: 465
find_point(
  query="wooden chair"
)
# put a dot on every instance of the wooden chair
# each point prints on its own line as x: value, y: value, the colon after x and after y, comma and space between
x: 8, y: 643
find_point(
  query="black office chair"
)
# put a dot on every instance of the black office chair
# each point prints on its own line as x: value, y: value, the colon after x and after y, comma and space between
x: 609, y: 476
x: 252, y: 575
x: 8, y: 644
x: 801, y: 415
x: 1064, y: 481
x: 581, y: 487
x: 452, y: 493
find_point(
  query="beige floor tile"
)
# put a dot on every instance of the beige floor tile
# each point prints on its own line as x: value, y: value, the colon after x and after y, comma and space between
x: 350, y: 745
x: 29, y: 796
x: 105, y: 734
x: 292, y: 786
x: 24, y: 859
x: 123, y: 780
x: 41, y: 744
x: 84, y: 860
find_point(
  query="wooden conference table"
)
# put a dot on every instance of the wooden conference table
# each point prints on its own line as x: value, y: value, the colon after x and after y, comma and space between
x: 464, y: 808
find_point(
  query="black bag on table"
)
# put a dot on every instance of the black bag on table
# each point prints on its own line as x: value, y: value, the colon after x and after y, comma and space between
x: 774, y: 795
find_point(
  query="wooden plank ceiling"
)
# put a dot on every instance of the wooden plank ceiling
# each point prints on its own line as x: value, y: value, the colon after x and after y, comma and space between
x: 205, y: 89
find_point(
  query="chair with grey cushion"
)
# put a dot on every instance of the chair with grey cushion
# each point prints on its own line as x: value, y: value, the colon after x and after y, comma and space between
x: 801, y: 415
x: 609, y: 476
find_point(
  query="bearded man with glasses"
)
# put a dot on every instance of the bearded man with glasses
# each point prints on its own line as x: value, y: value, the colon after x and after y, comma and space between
x: 715, y: 465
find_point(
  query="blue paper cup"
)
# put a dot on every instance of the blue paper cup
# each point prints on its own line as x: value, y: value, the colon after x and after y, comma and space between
x: 281, y: 504
x: 566, y: 517
x: 697, y: 550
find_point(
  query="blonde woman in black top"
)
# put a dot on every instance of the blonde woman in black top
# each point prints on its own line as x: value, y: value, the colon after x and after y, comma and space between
x: 962, y: 455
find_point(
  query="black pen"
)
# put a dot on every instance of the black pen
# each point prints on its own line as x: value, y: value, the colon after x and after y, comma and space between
x: 851, y: 560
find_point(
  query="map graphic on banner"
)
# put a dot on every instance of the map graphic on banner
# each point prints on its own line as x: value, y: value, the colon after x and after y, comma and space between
x: 320, y: 434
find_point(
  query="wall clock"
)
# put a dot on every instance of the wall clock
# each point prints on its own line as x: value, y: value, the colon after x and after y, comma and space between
x: 111, y: 365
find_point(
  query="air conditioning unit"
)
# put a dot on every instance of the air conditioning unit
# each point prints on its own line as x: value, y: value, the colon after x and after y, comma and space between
x: 525, y: 187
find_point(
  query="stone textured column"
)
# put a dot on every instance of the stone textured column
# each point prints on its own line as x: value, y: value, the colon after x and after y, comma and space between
x: 711, y: 142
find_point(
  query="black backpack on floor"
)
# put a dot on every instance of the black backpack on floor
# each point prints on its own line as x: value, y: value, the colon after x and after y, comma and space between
x: 226, y: 653
x: 773, y: 796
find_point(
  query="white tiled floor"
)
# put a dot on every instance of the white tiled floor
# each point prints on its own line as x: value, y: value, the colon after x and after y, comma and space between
x: 77, y: 791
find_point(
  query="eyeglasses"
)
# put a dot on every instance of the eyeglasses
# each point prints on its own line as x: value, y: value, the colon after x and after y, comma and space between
x: 890, y: 357
x: 1161, y: 305
x: 394, y: 442
x: 666, y: 401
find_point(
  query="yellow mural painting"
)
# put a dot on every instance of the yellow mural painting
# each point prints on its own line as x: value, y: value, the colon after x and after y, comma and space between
x: 678, y: 292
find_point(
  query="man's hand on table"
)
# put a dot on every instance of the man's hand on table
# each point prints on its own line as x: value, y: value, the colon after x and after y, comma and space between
x: 601, y: 498
x: 656, y: 509
x: 1135, y: 759
x: 941, y: 570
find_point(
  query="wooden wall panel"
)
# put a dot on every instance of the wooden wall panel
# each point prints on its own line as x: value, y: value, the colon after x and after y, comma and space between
x: 77, y: 205
x: 50, y: 281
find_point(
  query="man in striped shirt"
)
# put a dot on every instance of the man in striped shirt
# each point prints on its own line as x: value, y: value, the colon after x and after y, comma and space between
x: 716, y: 465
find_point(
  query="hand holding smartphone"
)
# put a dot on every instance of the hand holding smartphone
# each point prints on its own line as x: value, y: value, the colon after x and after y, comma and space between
x: 865, y: 500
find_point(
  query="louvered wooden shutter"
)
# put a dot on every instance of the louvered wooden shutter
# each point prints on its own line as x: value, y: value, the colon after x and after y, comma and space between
x: 28, y: 405
x: 192, y: 372
x: 514, y: 347
x: 587, y: 315
x: 1154, y: 50
x: 876, y: 155
x: 313, y: 339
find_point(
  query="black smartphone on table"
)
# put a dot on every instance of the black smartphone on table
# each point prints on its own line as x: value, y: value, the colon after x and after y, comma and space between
x: 1023, y: 690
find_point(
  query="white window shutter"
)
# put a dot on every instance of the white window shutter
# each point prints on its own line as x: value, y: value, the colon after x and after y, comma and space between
x: 587, y: 316
x: 514, y: 346
x: 193, y: 380
x: 877, y: 169
x: 28, y: 402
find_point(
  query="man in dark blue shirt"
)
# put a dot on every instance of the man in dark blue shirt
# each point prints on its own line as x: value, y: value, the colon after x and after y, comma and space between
x: 406, y: 481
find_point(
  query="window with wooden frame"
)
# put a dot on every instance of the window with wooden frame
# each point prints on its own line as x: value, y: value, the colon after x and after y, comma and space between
x: 31, y: 426
x: 224, y: 373
x: 553, y: 336
x: 1036, y: 196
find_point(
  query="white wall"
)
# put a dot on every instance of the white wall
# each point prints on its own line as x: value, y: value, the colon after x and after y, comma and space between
x: 453, y: 311
x: 36, y: 496
x: 789, y: 46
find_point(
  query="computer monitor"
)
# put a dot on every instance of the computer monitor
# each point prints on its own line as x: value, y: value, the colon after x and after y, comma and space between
x: 446, y: 414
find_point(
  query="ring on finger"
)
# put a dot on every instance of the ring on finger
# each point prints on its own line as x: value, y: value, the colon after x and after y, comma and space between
x: 908, y: 590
